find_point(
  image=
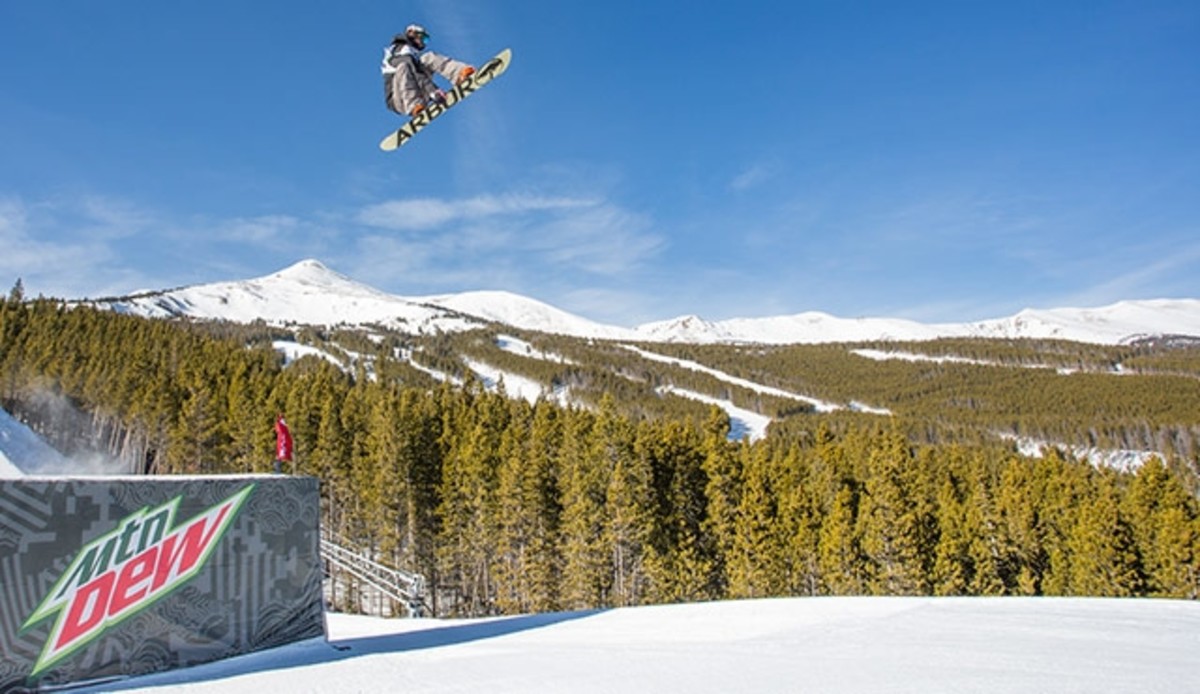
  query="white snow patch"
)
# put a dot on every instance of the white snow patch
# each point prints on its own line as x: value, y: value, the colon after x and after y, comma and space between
x: 520, y: 347
x: 1122, y: 459
x: 292, y: 351
x: 24, y: 453
x: 743, y: 423
x: 514, y: 385
x: 856, y: 406
x: 819, y: 405
x: 880, y: 355
x: 831, y: 645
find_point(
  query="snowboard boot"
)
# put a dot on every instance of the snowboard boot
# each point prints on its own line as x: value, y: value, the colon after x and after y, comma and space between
x: 463, y: 75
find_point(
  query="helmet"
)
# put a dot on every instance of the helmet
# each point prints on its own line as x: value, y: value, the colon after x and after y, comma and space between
x: 418, y: 30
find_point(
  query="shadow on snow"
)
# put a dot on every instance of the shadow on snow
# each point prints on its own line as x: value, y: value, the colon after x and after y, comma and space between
x: 317, y: 651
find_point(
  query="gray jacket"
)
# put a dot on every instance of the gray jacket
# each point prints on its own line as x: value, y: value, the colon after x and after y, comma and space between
x: 408, y: 74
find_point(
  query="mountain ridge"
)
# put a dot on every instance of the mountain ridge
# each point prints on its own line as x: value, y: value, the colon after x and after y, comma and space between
x: 310, y: 293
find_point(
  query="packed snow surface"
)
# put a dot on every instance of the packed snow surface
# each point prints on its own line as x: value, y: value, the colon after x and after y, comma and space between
x: 831, y: 645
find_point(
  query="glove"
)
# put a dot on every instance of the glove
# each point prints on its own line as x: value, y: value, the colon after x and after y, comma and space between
x: 438, y: 97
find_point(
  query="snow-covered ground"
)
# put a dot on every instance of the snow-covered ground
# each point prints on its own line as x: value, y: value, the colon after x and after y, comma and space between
x: 293, y: 351
x: 743, y: 423
x: 1117, y: 458
x: 514, y: 345
x: 880, y: 355
x: 515, y: 386
x: 817, y: 404
x: 832, y: 645
x: 23, y: 452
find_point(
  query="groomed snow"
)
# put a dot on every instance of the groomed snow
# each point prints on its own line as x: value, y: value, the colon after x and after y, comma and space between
x: 818, y: 405
x: 831, y: 645
x: 742, y: 422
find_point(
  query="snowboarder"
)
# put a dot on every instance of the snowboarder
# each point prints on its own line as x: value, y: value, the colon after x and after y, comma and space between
x: 408, y: 71
x: 283, y: 445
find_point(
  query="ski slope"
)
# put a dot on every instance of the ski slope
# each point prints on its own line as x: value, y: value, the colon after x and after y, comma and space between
x: 831, y: 645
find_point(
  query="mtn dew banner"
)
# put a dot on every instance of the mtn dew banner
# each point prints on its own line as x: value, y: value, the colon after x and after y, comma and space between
x: 113, y: 577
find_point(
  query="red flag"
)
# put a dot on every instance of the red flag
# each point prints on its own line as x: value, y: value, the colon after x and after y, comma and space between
x: 283, y: 440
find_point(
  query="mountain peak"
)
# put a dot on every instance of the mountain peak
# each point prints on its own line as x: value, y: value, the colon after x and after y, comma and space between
x: 310, y: 293
x: 312, y: 272
x: 307, y: 265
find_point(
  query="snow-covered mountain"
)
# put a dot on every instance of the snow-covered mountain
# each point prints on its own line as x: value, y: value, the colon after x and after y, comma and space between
x: 1120, y: 322
x: 310, y: 293
x: 530, y: 314
x: 809, y: 327
x: 307, y: 293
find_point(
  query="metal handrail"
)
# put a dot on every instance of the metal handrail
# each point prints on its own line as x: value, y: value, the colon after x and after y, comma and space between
x: 402, y: 586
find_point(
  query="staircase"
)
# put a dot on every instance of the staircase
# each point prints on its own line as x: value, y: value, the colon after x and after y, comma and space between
x: 375, y: 588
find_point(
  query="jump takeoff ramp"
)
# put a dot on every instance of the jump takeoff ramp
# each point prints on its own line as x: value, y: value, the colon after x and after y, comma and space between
x: 112, y: 577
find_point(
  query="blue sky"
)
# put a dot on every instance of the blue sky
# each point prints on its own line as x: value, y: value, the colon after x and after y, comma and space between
x: 641, y: 159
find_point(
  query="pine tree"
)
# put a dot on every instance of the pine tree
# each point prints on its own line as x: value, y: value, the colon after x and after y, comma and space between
x: 1104, y: 558
x: 542, y: 565
x: 1017, y: 503
x: 841, y: 556
x: 629, y: 509
x: 587, y: 559
x: 678, y: 561
x: 1163, y: 517
x: 800, y: 524
x: 516, y: 516
x: 1175, y: 557
x: 468, y: 542
x: 723, y: 491
x: 756, y: 565
x: 889, y: 521
x: 986, y: 548
x: 952, y: 561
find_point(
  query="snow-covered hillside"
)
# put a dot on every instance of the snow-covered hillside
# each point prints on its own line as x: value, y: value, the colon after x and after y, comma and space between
x: 307, y: 293
x: 310, y: 293
x: 522, y: 312
x: 831, y: 645
x: 23, y: 452
x: 1113, y: 324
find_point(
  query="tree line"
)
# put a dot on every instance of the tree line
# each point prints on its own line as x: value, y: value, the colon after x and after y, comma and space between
x: 507, y: 506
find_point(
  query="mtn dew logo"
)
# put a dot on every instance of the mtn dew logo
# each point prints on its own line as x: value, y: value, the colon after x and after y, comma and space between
x: 146, y: 557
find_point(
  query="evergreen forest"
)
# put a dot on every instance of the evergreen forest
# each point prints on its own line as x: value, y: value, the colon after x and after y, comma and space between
x: 621, y: 492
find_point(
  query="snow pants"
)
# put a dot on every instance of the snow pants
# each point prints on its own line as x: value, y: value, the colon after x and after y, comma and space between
x: 413, y: 84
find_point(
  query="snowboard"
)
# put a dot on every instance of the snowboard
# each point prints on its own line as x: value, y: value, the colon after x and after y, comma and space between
x: 490, y: 71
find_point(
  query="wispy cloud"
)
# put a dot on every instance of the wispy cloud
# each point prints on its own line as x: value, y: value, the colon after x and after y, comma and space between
x: 46, y: 263
x: 262, y: 231
x: 605, y: 240
x: 517, y: 241
x: 1171, y: 273
x: 430, y: 213
x: 751, y: 177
